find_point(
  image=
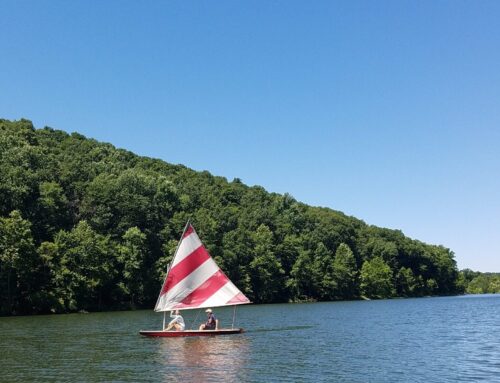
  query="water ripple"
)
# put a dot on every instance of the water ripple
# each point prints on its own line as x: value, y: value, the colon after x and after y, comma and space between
x: 451, y: 339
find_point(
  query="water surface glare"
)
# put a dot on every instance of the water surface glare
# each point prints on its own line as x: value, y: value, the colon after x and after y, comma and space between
x: 446, y: 339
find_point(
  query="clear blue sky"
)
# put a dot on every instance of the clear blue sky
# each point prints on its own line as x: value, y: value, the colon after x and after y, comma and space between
x: 386, y: 110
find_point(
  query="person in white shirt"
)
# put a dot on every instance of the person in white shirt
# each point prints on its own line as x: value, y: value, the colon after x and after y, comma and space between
x: 176, y: 324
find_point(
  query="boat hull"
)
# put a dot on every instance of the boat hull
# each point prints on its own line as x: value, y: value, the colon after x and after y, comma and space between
x: 176, y: 334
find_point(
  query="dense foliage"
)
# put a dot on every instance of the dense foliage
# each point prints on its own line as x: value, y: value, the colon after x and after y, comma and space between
x: 481, y: 283
x: 86, y: 226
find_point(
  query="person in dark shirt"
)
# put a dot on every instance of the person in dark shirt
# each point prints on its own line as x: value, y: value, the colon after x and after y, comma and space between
x: 211, y: 322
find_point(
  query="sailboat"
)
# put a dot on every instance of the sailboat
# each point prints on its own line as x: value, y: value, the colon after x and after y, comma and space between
x: 195, y: 281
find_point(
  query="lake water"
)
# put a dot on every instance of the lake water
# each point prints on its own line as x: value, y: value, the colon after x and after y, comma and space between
x: 446, y: 339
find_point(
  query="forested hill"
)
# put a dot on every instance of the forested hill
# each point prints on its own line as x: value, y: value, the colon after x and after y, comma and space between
x: 86, y: 226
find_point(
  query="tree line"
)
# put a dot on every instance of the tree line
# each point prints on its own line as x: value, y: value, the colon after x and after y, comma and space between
x: 480, y: 283
x: 86, y: 226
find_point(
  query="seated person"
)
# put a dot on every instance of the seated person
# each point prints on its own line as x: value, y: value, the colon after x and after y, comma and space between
x: 176, y: 324
x: 211, y: 322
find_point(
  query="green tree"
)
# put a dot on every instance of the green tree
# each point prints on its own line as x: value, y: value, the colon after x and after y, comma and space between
x: 494, y: 285
x: 446, y: 270
x: 132, y: 254
x: 322, y: 273
x: 376, y: 279
x: 114, y: 203
x: 485, y: 283
x: 469, y: 275
x: 405, y: 282
x: 88, y: 267
x: 19, y: 264
x: 237, y: 248
x: 53, y: 295
x: 345, y: 273
x: 53, y: 209
x: 431, y: 286
x: 20, y: 160
x: 304, y: 281
x: 266, y: 271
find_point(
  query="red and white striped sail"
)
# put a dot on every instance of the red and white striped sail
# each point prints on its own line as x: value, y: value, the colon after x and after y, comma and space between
x: 195, y: 281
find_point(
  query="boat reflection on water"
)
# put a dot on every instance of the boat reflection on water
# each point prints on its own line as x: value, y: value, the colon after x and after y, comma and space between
x: 196, y: 359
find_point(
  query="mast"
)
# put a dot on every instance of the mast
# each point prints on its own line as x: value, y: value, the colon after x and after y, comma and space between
x: 234, y: 316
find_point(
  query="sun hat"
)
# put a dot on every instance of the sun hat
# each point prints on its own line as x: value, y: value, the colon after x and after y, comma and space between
x: 208, y: 310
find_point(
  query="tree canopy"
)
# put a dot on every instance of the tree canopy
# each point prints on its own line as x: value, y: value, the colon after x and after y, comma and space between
x: 86, y: 226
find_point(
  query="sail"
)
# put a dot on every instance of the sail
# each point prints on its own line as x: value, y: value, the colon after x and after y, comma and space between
x: 195, y: 281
